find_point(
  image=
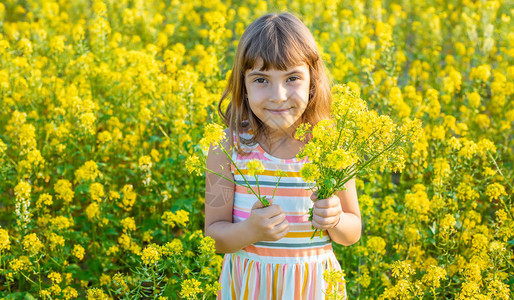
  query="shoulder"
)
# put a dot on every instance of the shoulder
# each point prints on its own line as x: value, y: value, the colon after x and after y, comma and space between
x: 217, y: 159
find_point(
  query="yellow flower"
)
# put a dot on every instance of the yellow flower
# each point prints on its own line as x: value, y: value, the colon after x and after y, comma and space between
x: 55, y: 289
x: 22, y: 190
x: 280, y: 173
x: 193, y: 164
x: 213, y: 134
x: 310, y: 172
x: 155, y: 155
x: 87, y: 122
x: 89, y: 171
x: 32, y: 244
x: 495, y: 191
x: 402, y: 269
x: 62, y: 222
x: 70, y: 293
x: 96, y: 293
x: 93, y: 211
x: 207, y: 246
x: 55, y: 240
x: 483, y: 121
x: 35, y: 159
x: 57, y: 43
x: 341, y: 159
x: 482, y: 72
x: 105, y: 279
x: 64, y: 191
x: 96, y: 190
x: 484, y: 146
x: 216, y: 21
x: 174, y: 247
x: 44, y: 199
x: 55, y: 277
x: 498, y: 290
x: 145, y: 162
x: 148, y: 236
x: 474, y: 100
x: 4, y: 240
x: 418, y: 201
x: 112, y: 250
x: 301, y: 131
x: 190, y: 288
x: 433, y: 276
x: 151, y: 254
x: 128, y: 224
x: 104, y: 137
x: 254, y: 167
x: 447, y: 223
x: 78, y: 251
x: 376, y: 244
x: 19, y: 264
x: 125, y: 241
x: 180, y: 218
x: 441, y: 171
x: 335, y: 282
x: 212, y: 289
x: 323, y: 129
x: 129, y: 197
x: 120, y: 281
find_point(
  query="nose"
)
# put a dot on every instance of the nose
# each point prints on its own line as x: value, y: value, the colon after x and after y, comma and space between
x: 278, y: 93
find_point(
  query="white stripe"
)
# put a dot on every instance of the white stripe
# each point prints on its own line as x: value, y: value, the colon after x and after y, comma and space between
x: 286, y: 260
x: 297, y: 204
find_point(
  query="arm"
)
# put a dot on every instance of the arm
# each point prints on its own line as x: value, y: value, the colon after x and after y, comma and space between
x: 348, y: 230
x: 219, y: 201
x: 343, y: 206
x: 264, y: 223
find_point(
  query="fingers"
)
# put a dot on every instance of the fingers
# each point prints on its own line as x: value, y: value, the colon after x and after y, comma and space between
x: 281, y: 229
x: 257, y: 204
x: 276, y: 228
x: 332, y: 201
x: 324, y: 223
x: 327, y: 212
x: 278, y: 219
x: 273, y: 208
x: 314, y: 196
x: 271, y: 211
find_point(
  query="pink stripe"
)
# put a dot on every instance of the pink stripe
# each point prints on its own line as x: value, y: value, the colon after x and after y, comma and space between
x: 268, y: 281
x: 258, y: 278
x: 268, y: 191
x: 290, y: 219
x: 284, y: 284
x: 253, y: 155
x: 311, y: 283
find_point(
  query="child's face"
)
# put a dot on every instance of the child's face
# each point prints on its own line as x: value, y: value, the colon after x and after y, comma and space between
x: 278, y: 98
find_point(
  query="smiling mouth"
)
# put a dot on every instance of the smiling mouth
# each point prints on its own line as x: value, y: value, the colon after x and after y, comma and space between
x: 280, y: 110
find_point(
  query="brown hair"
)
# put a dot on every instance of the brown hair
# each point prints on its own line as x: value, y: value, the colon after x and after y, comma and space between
x: 281, y: 41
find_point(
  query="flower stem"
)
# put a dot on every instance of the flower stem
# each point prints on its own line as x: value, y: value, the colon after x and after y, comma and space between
x: 237, y: 168
x: 273, y: 196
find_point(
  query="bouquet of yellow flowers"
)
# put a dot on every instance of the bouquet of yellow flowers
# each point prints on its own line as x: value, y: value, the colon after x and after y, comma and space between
x: 213, y: 135
x: 353, y: 140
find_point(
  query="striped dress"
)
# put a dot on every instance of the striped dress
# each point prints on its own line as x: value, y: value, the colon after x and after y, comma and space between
x: 292, y: 267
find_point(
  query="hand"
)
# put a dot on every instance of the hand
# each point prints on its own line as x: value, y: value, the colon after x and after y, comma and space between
x: 267, y: 223
x: 326, y: 212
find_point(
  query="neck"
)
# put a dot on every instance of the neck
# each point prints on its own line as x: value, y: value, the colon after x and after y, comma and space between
x: 278, y: 137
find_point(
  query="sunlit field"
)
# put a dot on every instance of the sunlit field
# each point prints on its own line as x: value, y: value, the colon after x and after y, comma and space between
x: 102, y: 102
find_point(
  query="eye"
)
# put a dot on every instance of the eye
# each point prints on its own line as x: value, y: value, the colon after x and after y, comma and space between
x: 258, y: 80
x: 296, y: 78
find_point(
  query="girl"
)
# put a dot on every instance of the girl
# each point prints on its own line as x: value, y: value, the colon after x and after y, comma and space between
x: 277, y: 82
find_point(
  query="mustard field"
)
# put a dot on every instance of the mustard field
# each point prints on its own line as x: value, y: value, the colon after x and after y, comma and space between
x: 102, y: 102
